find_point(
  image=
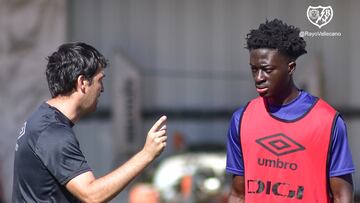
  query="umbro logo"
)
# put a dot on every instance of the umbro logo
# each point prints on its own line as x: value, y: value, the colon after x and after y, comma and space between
x: 280, y: 144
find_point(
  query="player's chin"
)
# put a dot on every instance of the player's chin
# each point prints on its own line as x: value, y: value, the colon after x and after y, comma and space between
x: 264, y: 94
x: 93, y: 107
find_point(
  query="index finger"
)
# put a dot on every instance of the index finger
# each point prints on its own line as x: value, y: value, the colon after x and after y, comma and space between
x: 159, y: 123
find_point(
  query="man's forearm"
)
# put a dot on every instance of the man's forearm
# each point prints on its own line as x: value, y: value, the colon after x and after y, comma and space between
x: 108, y: 186
x: 345, y: 199
x: 342, y: 189
x: 236, y: 199
x: 89, y: 189
x: 237, y: 193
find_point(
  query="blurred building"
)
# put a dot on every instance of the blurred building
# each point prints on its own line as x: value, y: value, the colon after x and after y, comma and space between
x: 182, y: 58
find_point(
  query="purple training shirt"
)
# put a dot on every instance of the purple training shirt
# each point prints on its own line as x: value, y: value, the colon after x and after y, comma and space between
x: 340, y: 162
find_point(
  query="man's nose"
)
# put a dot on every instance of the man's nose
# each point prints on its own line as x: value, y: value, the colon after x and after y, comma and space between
x: 259, y: 77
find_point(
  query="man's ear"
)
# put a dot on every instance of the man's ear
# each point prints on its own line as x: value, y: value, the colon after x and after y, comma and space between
x: 80, y: 83
x: 291, y: 67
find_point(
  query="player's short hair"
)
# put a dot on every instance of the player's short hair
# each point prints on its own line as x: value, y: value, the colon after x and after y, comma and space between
x: 68, y: 62
x: 278, y: 35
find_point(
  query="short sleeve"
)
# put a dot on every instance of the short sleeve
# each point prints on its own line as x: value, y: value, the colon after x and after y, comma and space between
x: 341, y: 162
x: 234, y: 160
x: 59, y: 150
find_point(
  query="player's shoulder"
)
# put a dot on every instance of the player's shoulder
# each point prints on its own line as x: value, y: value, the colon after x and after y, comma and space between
x: 239, y: 111
x: 36, y: 122
x: 42, y: 116
x: 326, y: 107
x: 237, y: 114
x: 55, y: 137
x: 323, y: 107
x: 58, y: 131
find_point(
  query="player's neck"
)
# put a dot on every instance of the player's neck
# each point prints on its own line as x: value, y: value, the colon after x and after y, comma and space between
x: 285, y: 98
x: 67, y: 106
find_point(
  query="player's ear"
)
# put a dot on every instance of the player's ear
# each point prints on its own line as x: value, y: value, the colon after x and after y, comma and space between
x: 291, y: 67
x: 80, y: 83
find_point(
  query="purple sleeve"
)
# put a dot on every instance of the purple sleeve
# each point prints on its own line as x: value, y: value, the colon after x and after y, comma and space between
x: 341, y: 162
x: 234, y: 160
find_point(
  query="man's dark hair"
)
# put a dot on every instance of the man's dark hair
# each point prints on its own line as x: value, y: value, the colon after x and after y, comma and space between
x: 68, y: 62
x: 278, y: 35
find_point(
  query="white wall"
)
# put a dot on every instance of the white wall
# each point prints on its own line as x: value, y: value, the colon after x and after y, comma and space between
x: 30, y: 31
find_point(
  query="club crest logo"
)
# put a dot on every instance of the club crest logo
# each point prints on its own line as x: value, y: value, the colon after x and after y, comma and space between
x: 319, y: 15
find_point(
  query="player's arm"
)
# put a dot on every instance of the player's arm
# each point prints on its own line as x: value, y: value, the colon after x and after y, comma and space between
x: 89, y: 189
x: 234, y: 161
x: 237, y: 193
x: 342, y: 189
x: 341, y: 165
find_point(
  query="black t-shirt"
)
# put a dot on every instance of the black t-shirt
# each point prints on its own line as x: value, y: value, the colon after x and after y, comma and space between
x: 47, y: 156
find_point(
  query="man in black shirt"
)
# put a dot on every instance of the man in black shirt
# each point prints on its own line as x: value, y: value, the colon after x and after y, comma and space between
x: 49, y: 165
